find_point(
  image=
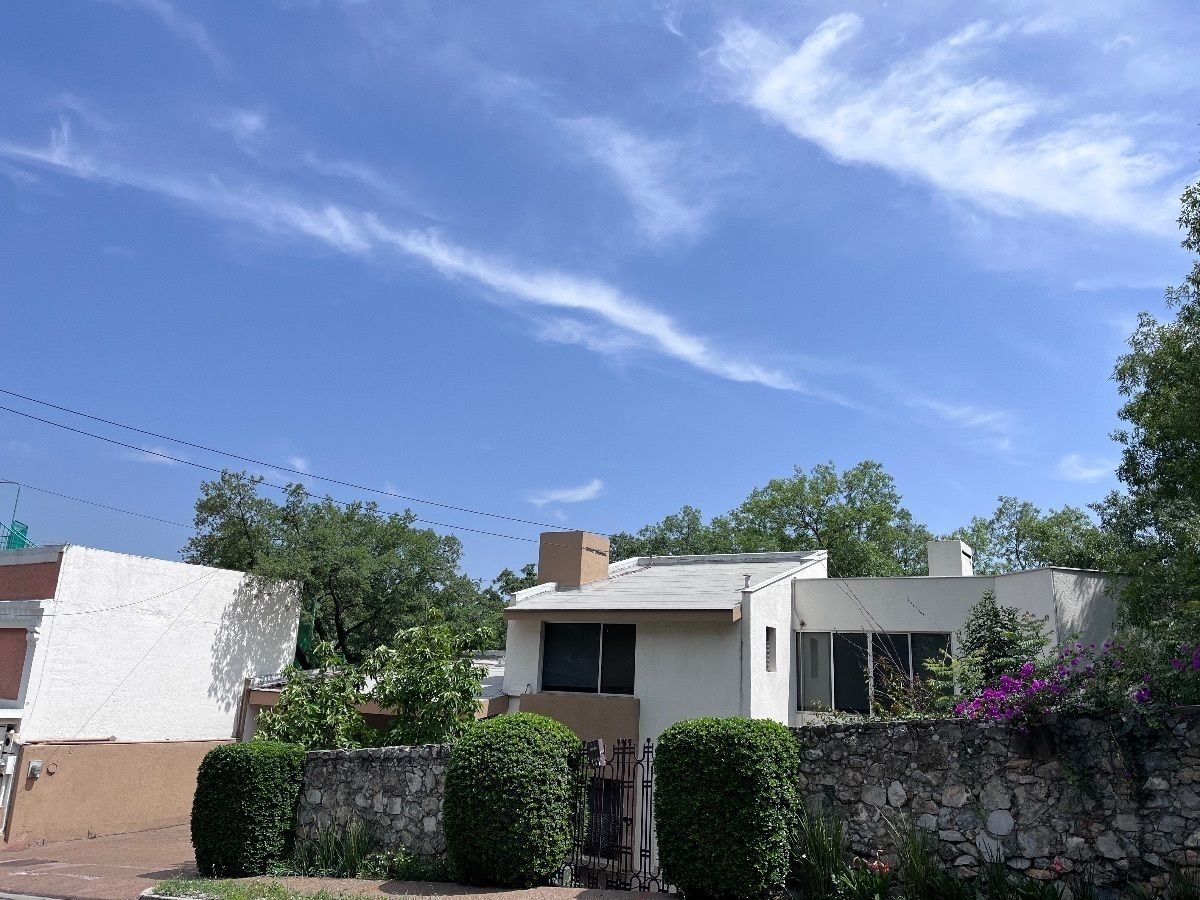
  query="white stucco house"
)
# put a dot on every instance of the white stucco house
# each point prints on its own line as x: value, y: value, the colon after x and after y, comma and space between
x: 625, y: 650
x: 117, y: 674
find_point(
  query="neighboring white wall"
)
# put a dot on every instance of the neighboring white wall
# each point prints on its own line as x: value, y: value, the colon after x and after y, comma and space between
x: 686, y: 670
x: 145, y: 649
x: 522, y: 657
x: 1086, y: 603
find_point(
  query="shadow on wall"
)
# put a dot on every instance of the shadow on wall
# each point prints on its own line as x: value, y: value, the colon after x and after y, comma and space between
x: 255, y: 636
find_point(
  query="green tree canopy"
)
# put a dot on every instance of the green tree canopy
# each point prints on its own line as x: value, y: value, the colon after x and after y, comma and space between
x: 1157, y: 521
x: 856, y: 515
x: 425, y: 678
x: 678, y: 534
x: 364, y: 574
x: 1018, y: 536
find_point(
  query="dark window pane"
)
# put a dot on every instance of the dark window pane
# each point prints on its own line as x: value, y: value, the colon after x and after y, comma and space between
x: 926, y: 647
x: 890, y: 652
x: 850, y: 673
x: 570, y: 657
x: 616, y: 669
x: 813, y: 670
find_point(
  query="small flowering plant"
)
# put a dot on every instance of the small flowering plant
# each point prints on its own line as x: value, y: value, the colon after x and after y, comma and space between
x: 1089, y: 680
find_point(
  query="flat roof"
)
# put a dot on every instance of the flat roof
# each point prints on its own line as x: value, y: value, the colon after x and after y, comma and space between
x: 667, y: 584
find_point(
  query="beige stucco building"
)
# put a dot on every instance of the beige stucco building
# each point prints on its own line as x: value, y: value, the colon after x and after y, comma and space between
x: 622, y: 651
x: 117, y: 674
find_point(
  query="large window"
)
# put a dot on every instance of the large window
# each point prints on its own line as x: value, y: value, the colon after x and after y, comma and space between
x: 834, y: 669
x: 588, y: 657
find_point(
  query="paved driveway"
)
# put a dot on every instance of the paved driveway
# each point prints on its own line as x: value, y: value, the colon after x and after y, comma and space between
x: 114, y: 867
x: 121, y: 866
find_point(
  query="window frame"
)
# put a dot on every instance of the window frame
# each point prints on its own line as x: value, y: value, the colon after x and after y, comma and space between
x: 801, y: 657
x: 599, y: 682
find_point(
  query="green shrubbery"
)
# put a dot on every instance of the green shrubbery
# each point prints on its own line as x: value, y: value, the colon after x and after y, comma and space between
x: 726, y: 805
x: 511, y: 787
x: 245, y: 807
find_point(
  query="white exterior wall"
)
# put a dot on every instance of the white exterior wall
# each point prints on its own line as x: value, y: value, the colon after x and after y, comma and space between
x: 686, y: 670
x: 770, y: 692
x: 523, y: 657
x: 680, y: 670
x: 938, y: 603
x: 144, y: 649
x: 1086, y: 604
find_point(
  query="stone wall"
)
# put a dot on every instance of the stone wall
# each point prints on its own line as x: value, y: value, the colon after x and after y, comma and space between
x: 396, y: 790
x: 1054, y: 800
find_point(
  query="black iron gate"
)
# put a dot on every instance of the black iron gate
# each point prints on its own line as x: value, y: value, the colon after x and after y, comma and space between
x: 614, y: 843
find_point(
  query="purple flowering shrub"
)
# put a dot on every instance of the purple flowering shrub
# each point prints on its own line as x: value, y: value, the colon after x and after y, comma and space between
x: 1150, y: 677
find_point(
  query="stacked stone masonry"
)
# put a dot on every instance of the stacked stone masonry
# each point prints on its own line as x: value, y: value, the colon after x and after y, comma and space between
x: 1059, y: 798
x: 396, y: 790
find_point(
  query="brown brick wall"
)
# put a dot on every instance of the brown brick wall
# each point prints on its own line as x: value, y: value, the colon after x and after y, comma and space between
x: 29, y: 581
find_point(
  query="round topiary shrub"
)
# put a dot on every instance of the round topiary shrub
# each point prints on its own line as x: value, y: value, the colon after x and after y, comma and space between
x: 244, y: 810
x: 725, y: 804
x: 511, y: 787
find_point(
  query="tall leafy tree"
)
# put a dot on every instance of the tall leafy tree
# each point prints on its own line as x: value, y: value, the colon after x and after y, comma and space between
x: 1157, y: 520
x: 856, y: 515
x: 678, y: 534
x: 364, y: 574
x: 1018, y: 535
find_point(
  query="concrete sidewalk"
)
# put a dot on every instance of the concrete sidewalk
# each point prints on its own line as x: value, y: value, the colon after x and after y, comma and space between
x: 121, y: 866
x: 114, y: 867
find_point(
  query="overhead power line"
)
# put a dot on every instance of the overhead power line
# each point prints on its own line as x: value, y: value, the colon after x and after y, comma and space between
x: 128, y: 512
x: 247, y: 459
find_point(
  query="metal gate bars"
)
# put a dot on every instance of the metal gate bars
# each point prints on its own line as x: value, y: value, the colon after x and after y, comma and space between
x: 614, y: 838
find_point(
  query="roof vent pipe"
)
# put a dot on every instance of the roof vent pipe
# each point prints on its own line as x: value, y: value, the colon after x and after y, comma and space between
x: 747, y: 584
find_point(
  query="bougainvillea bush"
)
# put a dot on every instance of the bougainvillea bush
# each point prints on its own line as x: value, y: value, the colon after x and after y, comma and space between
x: 1149, y: 677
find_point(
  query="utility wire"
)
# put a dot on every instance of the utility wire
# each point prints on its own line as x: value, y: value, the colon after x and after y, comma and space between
x: 129, y: 512
x: 252, y: 461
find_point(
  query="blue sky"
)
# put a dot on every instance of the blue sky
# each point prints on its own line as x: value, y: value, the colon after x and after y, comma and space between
x: 581, y: 263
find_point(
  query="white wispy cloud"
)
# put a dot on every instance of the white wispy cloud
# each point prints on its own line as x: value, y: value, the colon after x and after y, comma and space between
x: 246, y: 126
x: 154, y: 454
x: 578, y: 494
x: 650, y: 172
x: 990, y: 428
x: 937, y: 117
x: 566, y: 307
x: 183, y: 26
x: 1079, y: 467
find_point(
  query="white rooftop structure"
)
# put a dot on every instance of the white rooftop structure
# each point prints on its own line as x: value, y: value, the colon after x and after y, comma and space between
x: 625, y: 650
x: 710, y: 583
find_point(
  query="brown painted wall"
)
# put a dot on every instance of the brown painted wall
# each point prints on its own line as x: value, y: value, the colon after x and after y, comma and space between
x: 591, y: 716
x: 89, y: 789
x: 572, y: 558
x: 29, y: 581
x: 13, y: 645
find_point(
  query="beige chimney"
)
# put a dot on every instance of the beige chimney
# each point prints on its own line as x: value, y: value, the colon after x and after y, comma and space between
x: 572, y: 558
x: 950, y: 558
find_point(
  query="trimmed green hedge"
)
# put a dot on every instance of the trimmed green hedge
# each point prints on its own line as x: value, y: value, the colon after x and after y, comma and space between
x: 244, y: 810
x: 725, y: 805
x: 511, y: 786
